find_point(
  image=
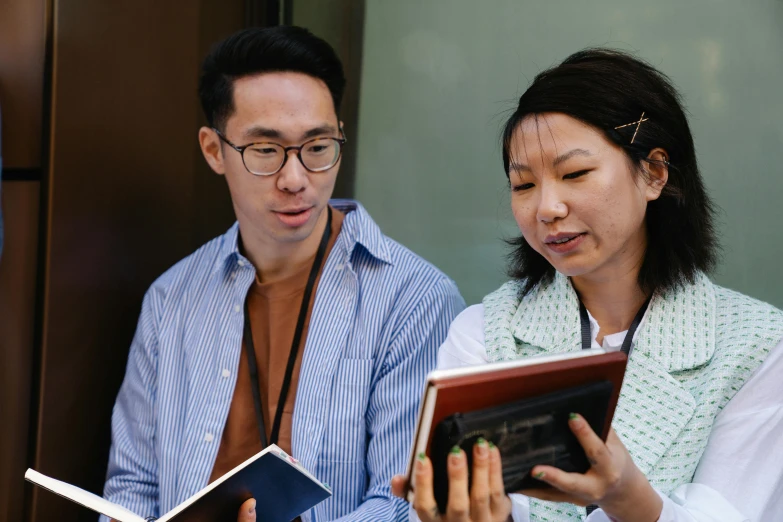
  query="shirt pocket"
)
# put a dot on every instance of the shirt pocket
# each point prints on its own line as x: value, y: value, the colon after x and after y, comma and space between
x: 346, y: 431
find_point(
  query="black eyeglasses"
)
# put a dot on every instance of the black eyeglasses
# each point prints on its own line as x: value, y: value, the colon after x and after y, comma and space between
x: 266, y: 159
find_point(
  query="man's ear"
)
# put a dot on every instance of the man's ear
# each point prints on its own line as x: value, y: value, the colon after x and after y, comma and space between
x: 657, y: 168
x: 211, y: 149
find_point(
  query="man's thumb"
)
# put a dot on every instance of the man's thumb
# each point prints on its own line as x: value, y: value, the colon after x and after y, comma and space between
x: 247, y: 511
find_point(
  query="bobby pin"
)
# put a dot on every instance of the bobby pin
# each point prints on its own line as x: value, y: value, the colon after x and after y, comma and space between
x: 638, y: 124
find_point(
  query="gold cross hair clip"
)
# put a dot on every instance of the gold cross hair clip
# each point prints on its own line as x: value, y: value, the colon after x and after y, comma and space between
x: 638, y: 124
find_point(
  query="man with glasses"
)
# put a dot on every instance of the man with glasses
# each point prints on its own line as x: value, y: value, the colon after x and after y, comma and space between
x: 303, y: 325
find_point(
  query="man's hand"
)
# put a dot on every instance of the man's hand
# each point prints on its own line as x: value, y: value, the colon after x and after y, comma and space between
x: 247, y: 511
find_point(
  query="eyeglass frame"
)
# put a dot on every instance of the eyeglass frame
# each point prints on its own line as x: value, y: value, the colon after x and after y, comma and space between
x: 298, y: 148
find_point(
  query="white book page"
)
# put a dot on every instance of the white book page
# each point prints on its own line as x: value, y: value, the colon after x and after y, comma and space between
x: 517, y: 363
x: 85, y: 498
x: 423, y: 430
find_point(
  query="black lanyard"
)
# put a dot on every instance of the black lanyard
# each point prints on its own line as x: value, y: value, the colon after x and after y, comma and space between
x: 251, y: 352
x: 587, y: 338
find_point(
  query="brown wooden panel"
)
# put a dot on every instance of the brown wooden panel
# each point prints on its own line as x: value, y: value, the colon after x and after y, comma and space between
x: 127, y: 195
x: 22, y: 39
x: 17, y: 307
x: 341, y: 23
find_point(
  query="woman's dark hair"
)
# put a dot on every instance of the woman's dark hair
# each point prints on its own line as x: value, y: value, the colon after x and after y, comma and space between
x: 260, y: 50
x: 605, y: 89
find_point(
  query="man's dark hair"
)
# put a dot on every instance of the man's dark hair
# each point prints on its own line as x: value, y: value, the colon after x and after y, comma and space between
x: 260, y: 50
x: 605, y: 89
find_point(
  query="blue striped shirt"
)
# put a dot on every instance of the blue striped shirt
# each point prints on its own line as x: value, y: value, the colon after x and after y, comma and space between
x: 379, y: 316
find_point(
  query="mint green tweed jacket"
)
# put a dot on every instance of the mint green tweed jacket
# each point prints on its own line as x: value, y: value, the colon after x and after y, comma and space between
x: 694, y: 350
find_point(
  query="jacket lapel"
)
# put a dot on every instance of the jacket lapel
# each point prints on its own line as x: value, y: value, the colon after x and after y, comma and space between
x: 547, y: 320
x: 676, y: 334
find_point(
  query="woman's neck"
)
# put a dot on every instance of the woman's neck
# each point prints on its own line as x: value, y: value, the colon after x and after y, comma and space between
x: 613, y: 302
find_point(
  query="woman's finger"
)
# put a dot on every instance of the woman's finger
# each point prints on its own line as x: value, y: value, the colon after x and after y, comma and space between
x: 597, y: 453
x: 584, y: 486
x: 458, y: 507
x: 498, y: 500
x: 398, y: 483
x: 479, y: 490
x: 423, y: 497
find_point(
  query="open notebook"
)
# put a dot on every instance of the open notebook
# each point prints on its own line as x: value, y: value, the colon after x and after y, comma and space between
x: 283, y: 490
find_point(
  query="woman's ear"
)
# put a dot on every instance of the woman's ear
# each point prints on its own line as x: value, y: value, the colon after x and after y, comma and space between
x: 211, y: 149
x: 657, y: 168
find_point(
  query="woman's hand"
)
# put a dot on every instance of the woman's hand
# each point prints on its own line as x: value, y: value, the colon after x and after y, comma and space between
x: 247, y: 511
x: 487, y: 500
x: 613, y: 481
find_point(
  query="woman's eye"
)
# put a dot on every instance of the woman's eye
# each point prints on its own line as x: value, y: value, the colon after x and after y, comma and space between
x: 522, y: 187
x: 575, y: 175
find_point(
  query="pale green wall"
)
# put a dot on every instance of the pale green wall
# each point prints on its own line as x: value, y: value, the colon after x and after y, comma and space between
x: 438, y: 76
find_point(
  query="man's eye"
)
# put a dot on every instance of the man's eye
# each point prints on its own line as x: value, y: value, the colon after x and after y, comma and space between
x: 264, y: 151
x: 522, y: 187
x: 575, y: 175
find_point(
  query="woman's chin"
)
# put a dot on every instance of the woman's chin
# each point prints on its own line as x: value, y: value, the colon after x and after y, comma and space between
x: 572, y: 269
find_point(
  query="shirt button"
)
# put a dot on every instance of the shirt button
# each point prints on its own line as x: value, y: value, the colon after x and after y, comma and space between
x: 225, y: 373
x: 241, y: 263
x: 233, y: 275
x: 237, y: 308
x: 209, y: 437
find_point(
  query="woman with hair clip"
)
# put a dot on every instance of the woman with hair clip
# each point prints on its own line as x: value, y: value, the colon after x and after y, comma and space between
x: 616, y: 237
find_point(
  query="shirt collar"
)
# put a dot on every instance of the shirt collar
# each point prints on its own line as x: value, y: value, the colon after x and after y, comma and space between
x: 358, y: 229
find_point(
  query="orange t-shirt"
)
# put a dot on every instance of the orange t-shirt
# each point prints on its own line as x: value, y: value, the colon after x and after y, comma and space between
x: 273, y: 309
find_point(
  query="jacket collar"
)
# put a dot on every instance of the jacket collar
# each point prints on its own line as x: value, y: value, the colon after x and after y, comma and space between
x: 677, y: 332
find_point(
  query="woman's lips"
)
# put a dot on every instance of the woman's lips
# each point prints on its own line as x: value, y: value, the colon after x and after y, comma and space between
x: 564, y: 243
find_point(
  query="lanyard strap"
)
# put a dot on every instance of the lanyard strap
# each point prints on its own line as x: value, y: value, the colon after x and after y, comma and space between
x: 587, y: 338
x: 292, y: 355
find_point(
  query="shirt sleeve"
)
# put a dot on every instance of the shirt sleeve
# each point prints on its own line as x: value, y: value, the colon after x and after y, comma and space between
x: 464, y: 345
x: 132, y: 476
x: 394, y: 404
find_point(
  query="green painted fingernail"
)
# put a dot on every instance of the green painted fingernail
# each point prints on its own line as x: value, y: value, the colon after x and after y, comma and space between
x: 491, y: 445
x: 572, y: 416
x: 481, y: 441
x: 421, y: 456
x: 540, y: 475
x: 455, y: 450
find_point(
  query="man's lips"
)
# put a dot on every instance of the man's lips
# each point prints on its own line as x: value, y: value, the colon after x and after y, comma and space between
x: 294, y: 217
x: 294, y: 210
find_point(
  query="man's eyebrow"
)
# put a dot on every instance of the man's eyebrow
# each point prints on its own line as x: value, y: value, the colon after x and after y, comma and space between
x: 262, y: 132
x: 521, y: 167
x: 259, y: 132
x: 319, y: 131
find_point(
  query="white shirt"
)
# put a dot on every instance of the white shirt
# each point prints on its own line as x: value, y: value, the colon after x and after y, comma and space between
x: 740, y: 474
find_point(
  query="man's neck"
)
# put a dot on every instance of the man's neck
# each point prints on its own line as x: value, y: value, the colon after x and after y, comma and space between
x: 279, y: 260
x: 613, y: 300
